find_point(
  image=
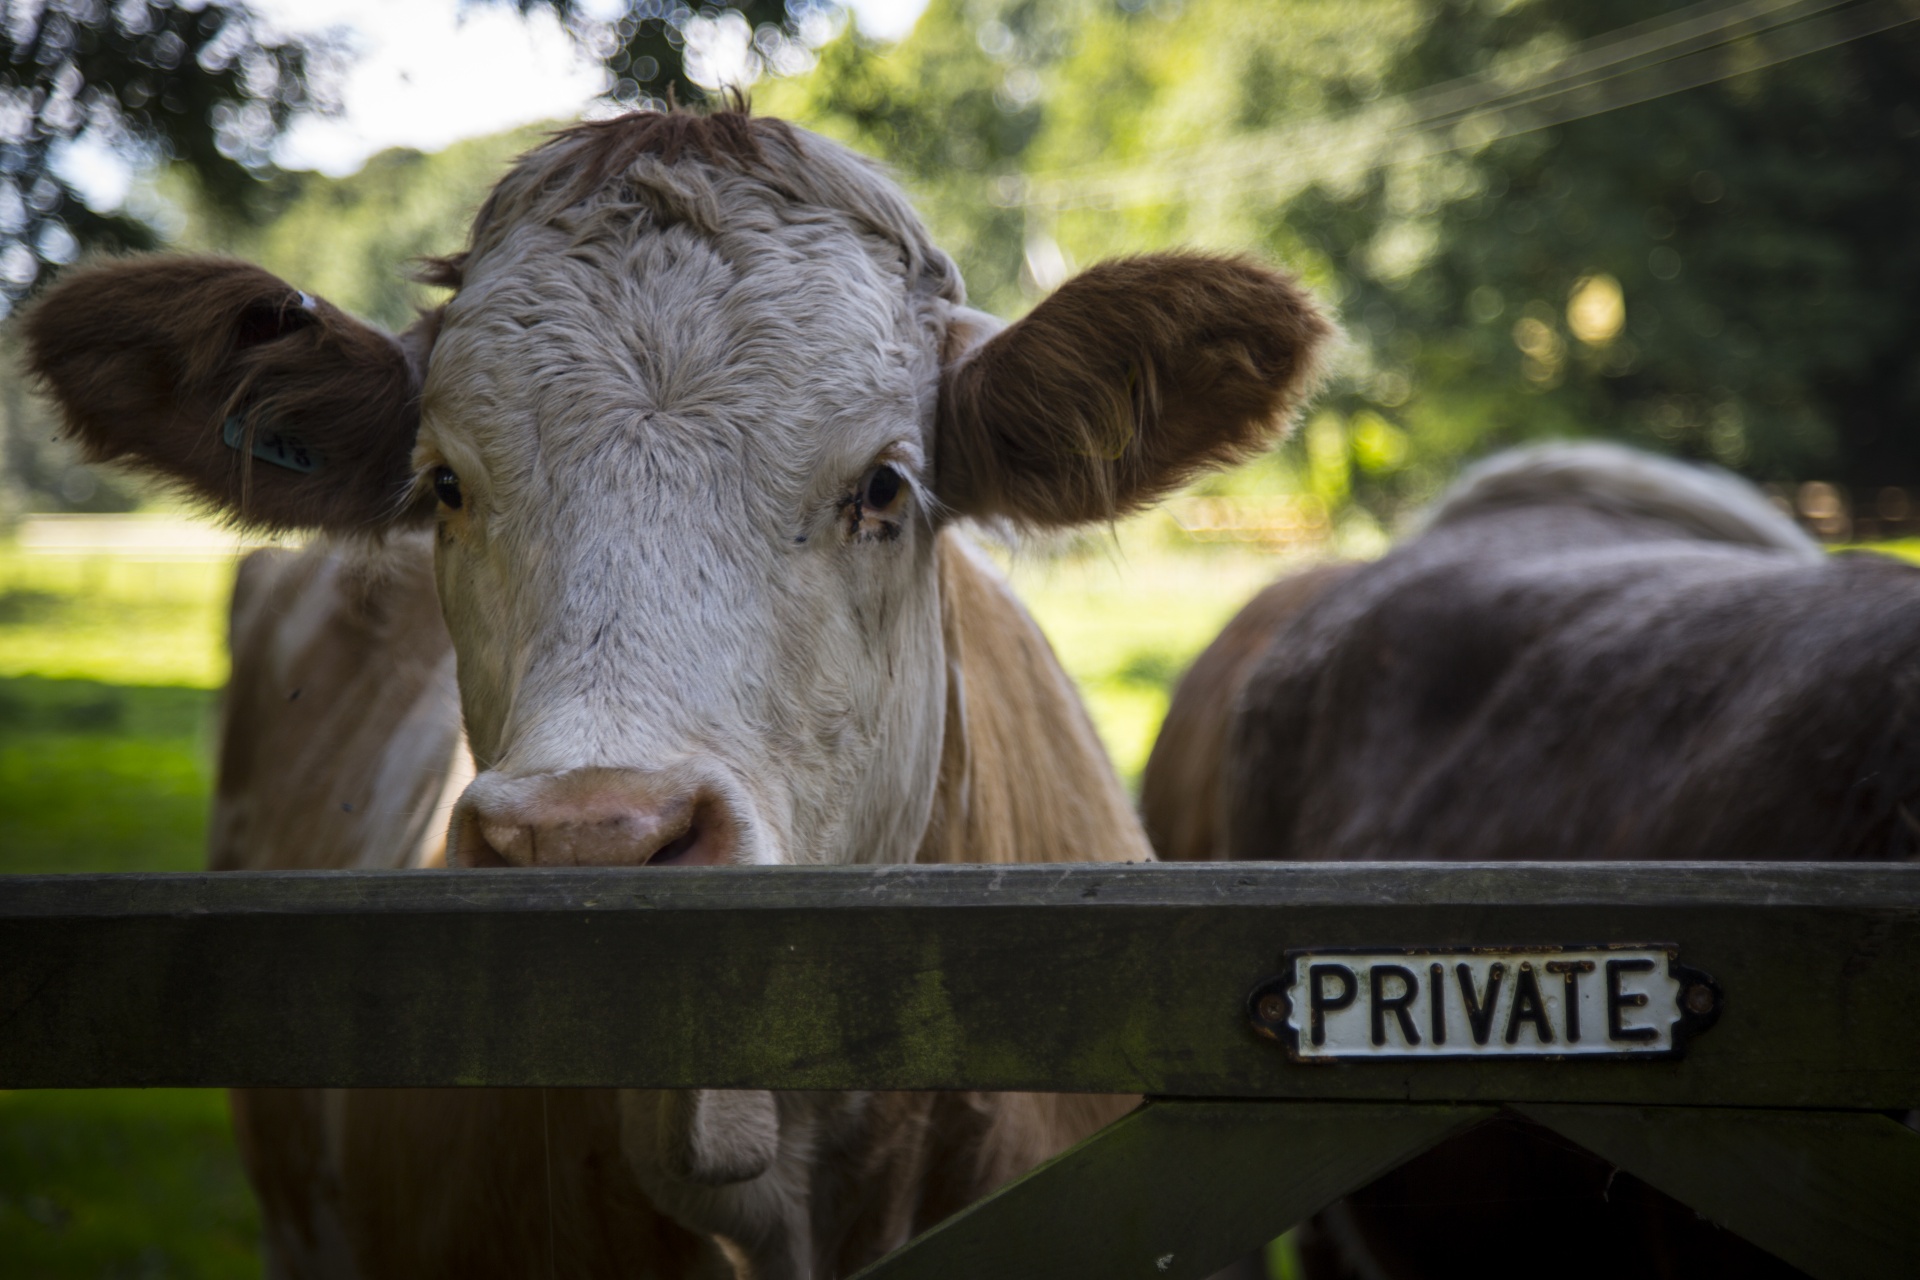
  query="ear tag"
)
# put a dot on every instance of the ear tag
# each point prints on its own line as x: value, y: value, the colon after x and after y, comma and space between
x: 271, y: 446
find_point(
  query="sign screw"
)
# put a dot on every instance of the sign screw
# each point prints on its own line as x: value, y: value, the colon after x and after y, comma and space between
x: 1272, y: 1008
x: 1699, y: 998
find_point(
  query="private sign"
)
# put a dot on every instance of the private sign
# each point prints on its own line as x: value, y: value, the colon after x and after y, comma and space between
x: 1619, y: 1001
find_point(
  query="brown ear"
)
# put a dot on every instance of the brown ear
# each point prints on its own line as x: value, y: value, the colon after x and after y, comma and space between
x: 277, y: 407
x: 1132, y: 377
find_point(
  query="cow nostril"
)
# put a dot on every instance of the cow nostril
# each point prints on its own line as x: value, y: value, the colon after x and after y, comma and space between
x: 679, y: 849
x: 707, y: 839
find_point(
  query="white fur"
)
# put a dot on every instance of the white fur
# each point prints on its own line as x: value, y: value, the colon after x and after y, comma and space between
x: 658, y: 399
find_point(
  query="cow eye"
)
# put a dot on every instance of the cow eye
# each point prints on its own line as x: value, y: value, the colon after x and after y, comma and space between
x: 446, y: 487
x: 882, y: 487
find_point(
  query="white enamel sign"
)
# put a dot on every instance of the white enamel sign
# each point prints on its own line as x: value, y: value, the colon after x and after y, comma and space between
x: 1604, y: 1001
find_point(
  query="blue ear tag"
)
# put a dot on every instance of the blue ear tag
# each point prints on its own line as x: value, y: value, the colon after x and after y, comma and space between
x: 281, y: 450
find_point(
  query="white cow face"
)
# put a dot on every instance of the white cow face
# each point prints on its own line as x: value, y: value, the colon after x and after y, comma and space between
x: 688, y: 430
x: 685, y: 531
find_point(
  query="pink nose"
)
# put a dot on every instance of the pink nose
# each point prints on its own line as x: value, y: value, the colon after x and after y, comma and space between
x: 594, y: 817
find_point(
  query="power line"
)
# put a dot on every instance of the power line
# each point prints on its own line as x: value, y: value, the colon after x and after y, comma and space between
x: 1448, y: 104
x: 1860, y: 22
x: 1472, y: 112
x: 1433, y: 105
x: 1704, y: 26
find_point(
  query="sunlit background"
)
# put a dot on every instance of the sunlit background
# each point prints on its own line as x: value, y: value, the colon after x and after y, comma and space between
x: 1690, y: 228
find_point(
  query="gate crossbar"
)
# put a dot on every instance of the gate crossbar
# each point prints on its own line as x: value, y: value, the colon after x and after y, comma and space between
x: 1093, y: 977
x: 1103, y: 978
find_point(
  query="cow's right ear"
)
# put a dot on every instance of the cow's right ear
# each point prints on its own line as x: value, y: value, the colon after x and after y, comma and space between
x: 275, y: 406
x: 1130, y: 379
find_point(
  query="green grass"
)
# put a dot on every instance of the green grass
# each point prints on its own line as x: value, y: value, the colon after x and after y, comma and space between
x: 108, y: 671
x: 122, y: 621
x: 122, y: 1182
x: 102, y: 777
x: 116, y: 1182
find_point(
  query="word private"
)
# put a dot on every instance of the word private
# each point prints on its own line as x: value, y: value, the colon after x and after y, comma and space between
x: 1532, y: 1002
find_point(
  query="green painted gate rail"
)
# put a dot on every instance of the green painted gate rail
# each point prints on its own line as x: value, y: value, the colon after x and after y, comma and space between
x: 1780, y: 1122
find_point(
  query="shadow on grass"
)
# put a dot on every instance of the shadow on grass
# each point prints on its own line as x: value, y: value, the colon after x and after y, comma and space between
x: 113, y: 1182
x: 123, y: 1183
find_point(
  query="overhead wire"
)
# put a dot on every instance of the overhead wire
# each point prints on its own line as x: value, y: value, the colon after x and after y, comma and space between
x: 1704, y: 26
x: 1695, y: 30
x: 1862, y: 20
x: 1477, y: 110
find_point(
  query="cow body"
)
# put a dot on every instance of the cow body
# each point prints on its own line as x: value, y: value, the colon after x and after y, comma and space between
x: 342, y: 671
x: 340, y: 741
x: 1584, y: 654
x: 645, y: 549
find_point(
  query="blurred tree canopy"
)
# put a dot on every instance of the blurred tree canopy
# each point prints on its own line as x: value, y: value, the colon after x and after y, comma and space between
x: 1687, y: 227
x: 668, y: 51
x: 161, y: 80
x: 1728, y: 271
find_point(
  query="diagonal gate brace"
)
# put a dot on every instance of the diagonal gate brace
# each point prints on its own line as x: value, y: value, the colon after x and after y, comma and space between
x: 1175, y: 1189
x: 1835, y: 1193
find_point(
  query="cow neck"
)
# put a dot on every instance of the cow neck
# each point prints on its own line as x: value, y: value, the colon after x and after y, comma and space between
x: 1023, y: 776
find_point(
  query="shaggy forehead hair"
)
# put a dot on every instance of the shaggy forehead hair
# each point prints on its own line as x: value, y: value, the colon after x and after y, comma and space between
x: 635, y: 160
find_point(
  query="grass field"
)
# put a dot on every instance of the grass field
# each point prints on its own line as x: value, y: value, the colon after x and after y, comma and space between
x: 108, y: 671
x: 110, y: 667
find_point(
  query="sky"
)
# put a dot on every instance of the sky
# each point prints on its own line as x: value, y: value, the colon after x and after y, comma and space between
x: 431, y: 72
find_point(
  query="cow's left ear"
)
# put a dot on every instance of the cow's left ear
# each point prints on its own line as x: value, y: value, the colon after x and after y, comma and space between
x: 273, y: 405
x: 1129, y: 379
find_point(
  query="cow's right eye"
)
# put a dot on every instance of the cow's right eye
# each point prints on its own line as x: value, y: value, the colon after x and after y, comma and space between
x: 446, y: 487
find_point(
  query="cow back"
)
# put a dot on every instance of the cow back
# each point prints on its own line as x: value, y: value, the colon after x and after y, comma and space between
x: 1563, y: 683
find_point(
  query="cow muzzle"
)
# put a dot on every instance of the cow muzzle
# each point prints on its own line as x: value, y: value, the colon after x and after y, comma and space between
x: 595, y: 817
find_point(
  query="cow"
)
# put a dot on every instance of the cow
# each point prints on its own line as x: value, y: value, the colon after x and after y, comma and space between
x: 648, y: 547
x: 1583, y: 652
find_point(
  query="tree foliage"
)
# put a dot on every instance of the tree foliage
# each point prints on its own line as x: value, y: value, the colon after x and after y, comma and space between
x: 161, y: 80
x: 1728, y: 272
x: 666, y: 50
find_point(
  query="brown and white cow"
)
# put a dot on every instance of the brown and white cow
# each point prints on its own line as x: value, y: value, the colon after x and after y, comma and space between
x: 681, y: 466
x: 1584, y: 653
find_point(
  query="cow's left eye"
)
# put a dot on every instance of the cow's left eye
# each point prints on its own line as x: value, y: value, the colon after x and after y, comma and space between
x: 882, y: 488
x: 446, y: 487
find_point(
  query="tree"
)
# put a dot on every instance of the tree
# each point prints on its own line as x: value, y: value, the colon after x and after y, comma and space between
x: 159, y: 80
x: 1726, y: 271
x: 666, y: 50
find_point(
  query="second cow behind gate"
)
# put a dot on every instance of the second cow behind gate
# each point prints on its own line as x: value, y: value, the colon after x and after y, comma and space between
x: 680, y: 466
x: 1584, y: 653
